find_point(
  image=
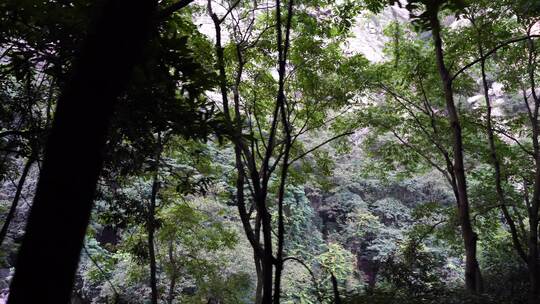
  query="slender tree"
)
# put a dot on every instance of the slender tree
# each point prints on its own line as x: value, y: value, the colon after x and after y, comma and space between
x: 473, y: 278
x: 151, y: 221
x: 265, y: 130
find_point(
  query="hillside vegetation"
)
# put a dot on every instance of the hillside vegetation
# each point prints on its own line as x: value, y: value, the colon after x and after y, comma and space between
x: 288, y: 151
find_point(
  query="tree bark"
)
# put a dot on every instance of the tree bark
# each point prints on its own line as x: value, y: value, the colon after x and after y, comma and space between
x: 60, y: 213
x: 473, y: 278
x: 152, y: 258
x: 16, y: 199
x: 174, y: 276
x: 533, y: 263
x: 258, y: 266
x: 281, y: 103
x: 258, y: 288
x: 533, y: 259
x: 281, y: 225
x: 335, y: 289
x: 151, y: 222
x: 493, y: 152
x: 496, y: 163
x: 267, y: 258
x: 259, y: 188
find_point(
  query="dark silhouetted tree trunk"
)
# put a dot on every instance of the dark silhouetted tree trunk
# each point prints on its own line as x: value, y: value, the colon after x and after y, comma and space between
x: 335, y: 289
x: 533, y: 257
x: 283, y: 47
x: 57, y: 223
x: 533, y: 263
x: 151, y: 227
x: 174, y: 275
x: 258, y: 287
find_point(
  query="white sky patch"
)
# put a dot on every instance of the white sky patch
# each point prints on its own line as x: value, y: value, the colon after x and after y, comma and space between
x: 206, y: 25
x: 535, y: 29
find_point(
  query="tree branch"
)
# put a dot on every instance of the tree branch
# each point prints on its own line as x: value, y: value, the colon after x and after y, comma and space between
x: 171, y: 9
x: 320, y: 145
x: 491, y: 52
x: 319, y: 296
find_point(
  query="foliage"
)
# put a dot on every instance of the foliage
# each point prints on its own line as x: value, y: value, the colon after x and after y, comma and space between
x: 364, y: 149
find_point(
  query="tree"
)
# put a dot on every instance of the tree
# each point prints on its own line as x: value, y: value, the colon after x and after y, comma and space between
x: 508, y: 34
x: 263, y: 122
x: 425, y: 15
x: 473, y: 278
x: 63, y: 199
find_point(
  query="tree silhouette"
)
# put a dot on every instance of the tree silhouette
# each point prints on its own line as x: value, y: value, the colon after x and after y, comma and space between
x: 49, y: 254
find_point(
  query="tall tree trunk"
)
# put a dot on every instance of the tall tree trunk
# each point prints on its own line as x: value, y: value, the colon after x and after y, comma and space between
x: 151, y: 222
x: 533, y: 263
x: 473, y: 278
x: 267, y: 258
x: 281, y: 103
x: 152, y: 258
x: 48, y: 258
x: 16, y: 199
x: 534, y: 267
x: 260, y: 192
x: 174, y: 276
x: 496, y: 163
x: 258, y: 287
x: 281, y: 226
x: 335, y: 289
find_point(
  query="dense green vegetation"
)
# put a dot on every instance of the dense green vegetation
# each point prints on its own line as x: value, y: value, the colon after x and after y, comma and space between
x: 265, y: 152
